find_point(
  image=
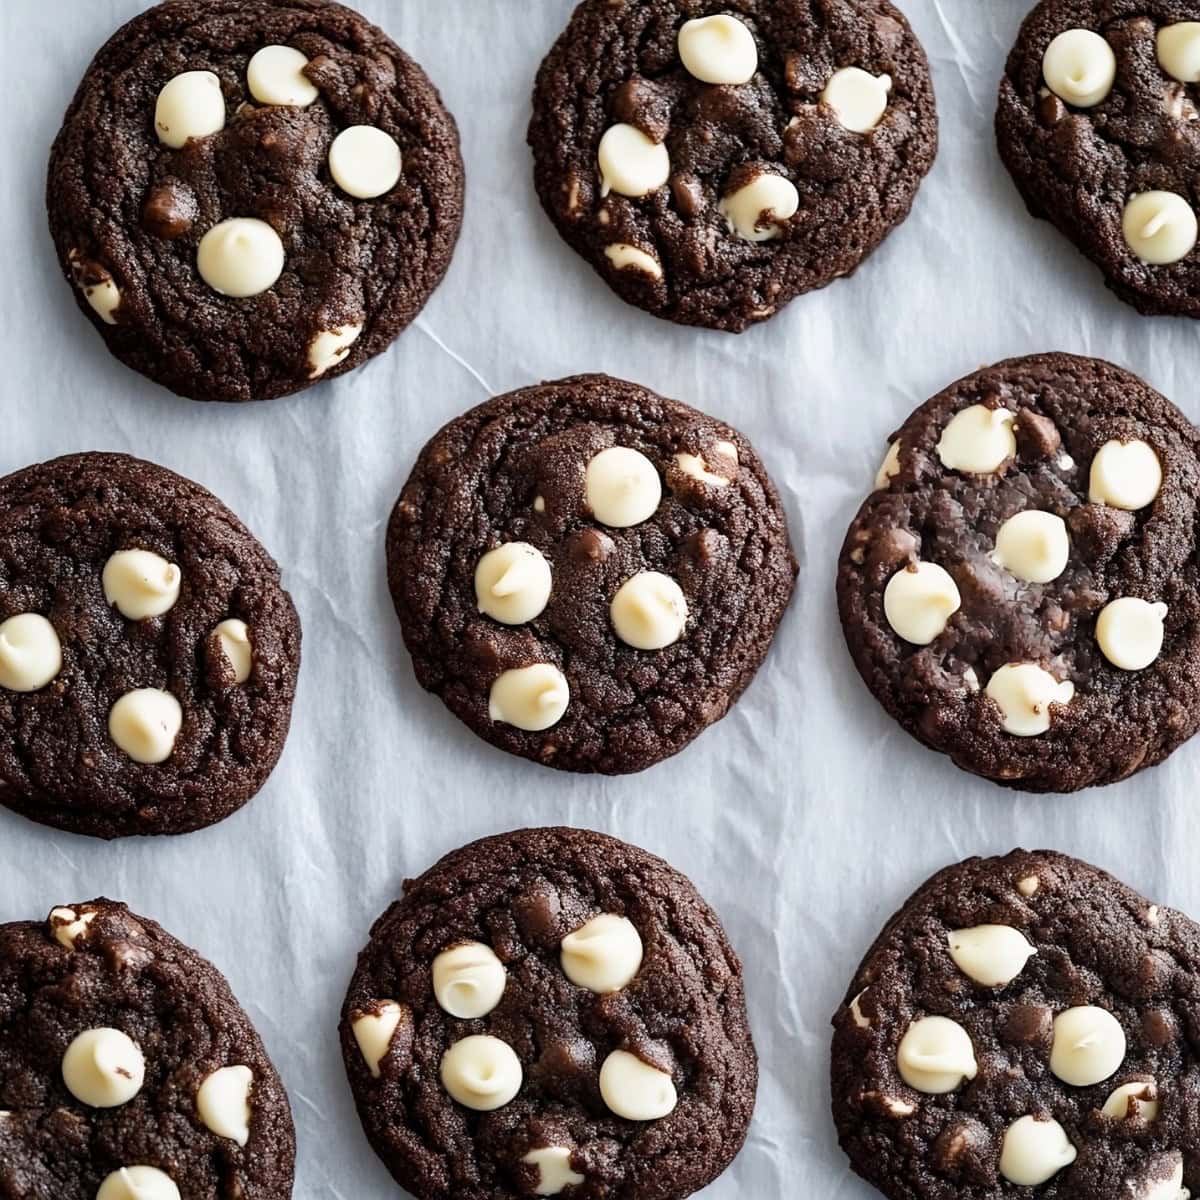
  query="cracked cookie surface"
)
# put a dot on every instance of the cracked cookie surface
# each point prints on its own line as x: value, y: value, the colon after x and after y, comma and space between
x: 678, y: 1008
x: 1039, y: 515
x: 1081, y: 155
x: 129, y: 212
x: 169, y: 1024
x: 754, y: 190
x: 1073, y: 1000
x: 145, y: 597
x: 687, y: 514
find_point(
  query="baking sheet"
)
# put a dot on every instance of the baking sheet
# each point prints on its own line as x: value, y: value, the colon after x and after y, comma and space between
x: 805, y: 817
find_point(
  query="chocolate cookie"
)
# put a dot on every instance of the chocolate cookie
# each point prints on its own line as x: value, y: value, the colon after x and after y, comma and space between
x: 1023, y: 1022
x: 560, y: 601
x: 1021, y: 590
x: 128, y: 1071
x: 1098, y: 125
x: 251, y: 195
x: 148, y: 655
x: 550, y: 1011
x: 712, y: 164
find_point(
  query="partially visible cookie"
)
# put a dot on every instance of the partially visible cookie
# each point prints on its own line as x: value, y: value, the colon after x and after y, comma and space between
x: 588, y: 574
x: 249, y: 196
x: 128, y: 1071
x: 1098, y: 125
x: 148, y: 654
x: 1023, y: 1023
x: 1021, y: 590
x: 550, y: 1012
x: 712, y: 164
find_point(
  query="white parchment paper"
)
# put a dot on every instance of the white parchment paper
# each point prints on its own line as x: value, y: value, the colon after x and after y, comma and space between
x: 805, y: 817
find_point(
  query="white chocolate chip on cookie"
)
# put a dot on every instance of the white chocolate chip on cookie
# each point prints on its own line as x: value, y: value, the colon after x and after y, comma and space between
x: 649, y: 611
x: 1160, y: 227
x: 1179, y: 51
x: 858, y: 98
x: 240, y: 257
x: 1130, y: 632
x: 757, y: 210
x: 604, y: 955
x: 991, y: 955
x: 889, y: 468
x: 68, y: 925
x: 622, y: 487
x: 530, y: 698
x: 482, y: 1073
x: 718, y: 49
x: 555, y: 1174
x: 468, y: 980
x: 1033, y: 546
x: 145, y: 723
x: 103, y: 1068
x: 1089, y: 1046
x: 919, y: 601
x: 276, y: 76
x: 1126, y: 475
x: 697, y: 466
x: 635, y: 1090
x: 936, y: 1056
x: 631, y: 164
x: 233, y: 637
x: 138, y: 1183
x: 1080, y: 67
x: 1025, y: 693
x: 331, y: 347
x: 1034, y: 1151
x: 365, y: 162
x: 1133, y: 1102
x: 625, y: 257
x: 374, y: 1030
x: 978, y: 440
x: 140, y: 583
x: 30, y: 653
x: 223, y: 1102
x: 513, y: 583
x: 190, y: 106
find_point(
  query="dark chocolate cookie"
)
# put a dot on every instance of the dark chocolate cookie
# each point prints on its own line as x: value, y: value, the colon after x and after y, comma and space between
x: 1098, y: 125
x: 1025, y: 1022
x: 550, y: 1011
x: 148, y: 654
x: 713, y: 160
x: 128, y: 1071
x: 251, y: 195
x: 562, y: 602
x: 1021, y: 590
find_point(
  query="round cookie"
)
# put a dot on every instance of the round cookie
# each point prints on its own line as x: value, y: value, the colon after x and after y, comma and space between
x: 128, y: 1070
x: 252, y: 195
x: 545, y: 1011
x: 587, y: 574
x: 148, y: 654
x: 1021, y: 590
x: 1023, y: 1023
x: 1097, y: 123
x: 712, y: 164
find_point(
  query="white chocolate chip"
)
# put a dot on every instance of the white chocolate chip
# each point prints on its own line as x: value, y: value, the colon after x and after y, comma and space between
x: 539, y: 504
x: 1125, y: 475
x: 365, y: 162
x: 757, y: 210
x: 68, y: 926
x: 140, y: 583
x: 697, y: 466
x: 138, y: 1183
x: 1035, y: 1151
x: 276, y: 76
x: 718, y: 49
x: 234, y: 639
x: 553, y: 1164
x: 649, y: 611
x: 631, y: 164
x: 856, y: 1012
x: 622, y: 487
x: 1089, y: 1046
x: 1024, y: 693
x: 105, y: 299
x: 145, y: 723
x: 635, y: 1090
x: 1133, y: 1102
x: 482, y: 1073
x: 103, y: 1068
x: 1179, y: 51
x: 1033, y: 546
x: 240, y: 257
x: 1152, y: 914
x: 1029, y: 885
x: 223, y: 1102
x: 1130, y: 632
x: 190, y: 106
x: 374, y: 1030
x: 604, y: 955
x: 858, y: 98
x: 30, y: 653
x: 919, y: 602
x: 936, y: 1056
x: 513, y: 583
x: 991, y: 955
x: 1080, y: 67
x: 625, y: 257
x: 1160, y: 227
x: 468, y: 980
x: 889, y: 468
x: 971, y: 679
x: 1170, y: 1188
x: 894, y: 1106
x: 978, y: 440
x: 331, y: 347
x: 530, y: 698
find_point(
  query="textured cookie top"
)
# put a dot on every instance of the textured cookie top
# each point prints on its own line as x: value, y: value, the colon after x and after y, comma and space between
x: 251, y: 195
x: 148, y: 655
x: 546, y: 1010
x: 1021, y: 590
x: 1023, y: 1022
x: 1098, y: 125
x: 128, y: 1071
x: 712, y: 160
x: 588, y: 574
